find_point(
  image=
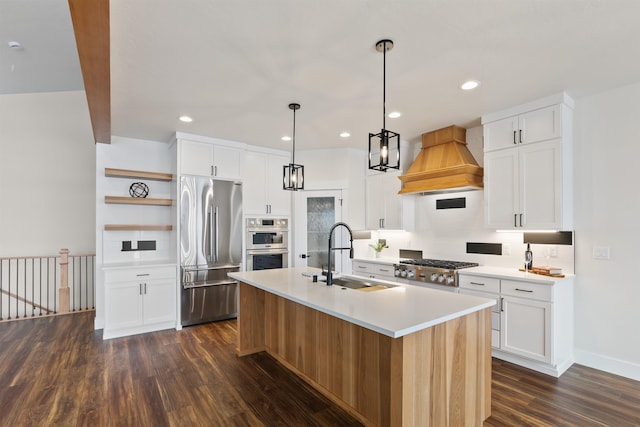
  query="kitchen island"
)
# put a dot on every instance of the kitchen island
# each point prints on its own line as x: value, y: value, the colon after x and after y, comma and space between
x: 403, y: 355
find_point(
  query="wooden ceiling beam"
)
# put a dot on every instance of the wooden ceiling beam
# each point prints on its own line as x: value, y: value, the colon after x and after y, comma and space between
x: 91, y: 27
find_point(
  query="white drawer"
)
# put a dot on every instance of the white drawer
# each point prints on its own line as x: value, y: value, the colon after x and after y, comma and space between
x: 479, y: 283
x: 495, y: 339
x: 369, y: 268
x: 495, y: 321
x: 527, y: 290
x: 139, y: 273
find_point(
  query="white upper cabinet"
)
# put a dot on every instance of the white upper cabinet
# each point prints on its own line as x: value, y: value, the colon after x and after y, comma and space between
x: 385, y: 208
x: 535, y: 126
x: 262, y: 182
x: 209, y: 159
x: 528, y: 185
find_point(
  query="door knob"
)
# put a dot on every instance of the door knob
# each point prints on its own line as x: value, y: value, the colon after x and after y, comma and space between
x: 303, y: 256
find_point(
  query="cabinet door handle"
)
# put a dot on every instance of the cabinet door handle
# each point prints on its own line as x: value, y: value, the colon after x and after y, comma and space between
x: 524, y: 290
x: 140, y: 286
x: 501, y: 304
x: 215, y: 171
x: 520, y: 220
x: 145, y: 288
x: 476, y: 283
x: 514, y: 137
x: 515, y: 220
x: 520, y: 136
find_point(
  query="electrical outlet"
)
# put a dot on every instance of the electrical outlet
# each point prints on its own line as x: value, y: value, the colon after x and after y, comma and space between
x: 553, y: 251
x: 601, y: 252
x: 506, y: 249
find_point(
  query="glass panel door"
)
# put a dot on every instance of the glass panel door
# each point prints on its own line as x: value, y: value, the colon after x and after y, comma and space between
x: 315, y: 213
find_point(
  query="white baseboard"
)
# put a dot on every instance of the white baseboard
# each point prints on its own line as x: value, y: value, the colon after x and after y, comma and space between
x: 608, y: 364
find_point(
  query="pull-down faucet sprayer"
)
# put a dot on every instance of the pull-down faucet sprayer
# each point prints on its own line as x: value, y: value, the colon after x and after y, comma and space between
x: 336, y: 225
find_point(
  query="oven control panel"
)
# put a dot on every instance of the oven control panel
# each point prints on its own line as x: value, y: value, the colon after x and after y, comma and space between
x: 268, y: 223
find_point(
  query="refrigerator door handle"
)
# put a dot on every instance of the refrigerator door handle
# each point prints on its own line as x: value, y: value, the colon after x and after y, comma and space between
x: 210, y: 256
x: 216, y: 231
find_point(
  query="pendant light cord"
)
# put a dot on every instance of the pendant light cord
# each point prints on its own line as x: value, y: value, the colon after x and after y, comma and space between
x: 293, y: 154
x: 384, y: 86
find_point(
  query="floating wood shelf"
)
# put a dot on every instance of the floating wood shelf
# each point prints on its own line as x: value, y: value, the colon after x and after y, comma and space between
x: 137, y: 227
x: 137, y: 201
x: 126, y: 173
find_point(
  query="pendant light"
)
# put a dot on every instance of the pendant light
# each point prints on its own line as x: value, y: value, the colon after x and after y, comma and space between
x: 384, y: 147
x: 293, y: 175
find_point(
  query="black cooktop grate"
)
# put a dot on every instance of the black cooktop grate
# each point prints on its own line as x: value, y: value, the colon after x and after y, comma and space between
x: 439, y: 263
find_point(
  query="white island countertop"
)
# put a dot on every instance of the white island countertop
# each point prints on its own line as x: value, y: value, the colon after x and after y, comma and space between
x: 395, y: 312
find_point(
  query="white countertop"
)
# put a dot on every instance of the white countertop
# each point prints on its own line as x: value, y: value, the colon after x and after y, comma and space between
x: 394, y: 312
x: 511, y: 273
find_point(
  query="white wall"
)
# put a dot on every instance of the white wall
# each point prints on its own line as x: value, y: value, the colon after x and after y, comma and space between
x: 338, y: 169
x: 607, y: 209
x: 47, y: 174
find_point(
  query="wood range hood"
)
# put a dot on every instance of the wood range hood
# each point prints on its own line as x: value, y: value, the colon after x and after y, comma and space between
x: 443, y: 165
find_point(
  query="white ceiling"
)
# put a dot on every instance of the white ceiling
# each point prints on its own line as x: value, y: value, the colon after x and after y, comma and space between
x: 235, y: 65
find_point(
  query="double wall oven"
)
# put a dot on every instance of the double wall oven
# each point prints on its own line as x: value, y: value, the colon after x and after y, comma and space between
x: 267, y: 243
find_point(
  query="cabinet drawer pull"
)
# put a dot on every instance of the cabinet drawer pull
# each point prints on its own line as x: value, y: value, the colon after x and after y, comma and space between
x: 524, y: 290
x: 142, y: 274
x: 383, y: 269
x: 476, y: 283
x: 362, y: 267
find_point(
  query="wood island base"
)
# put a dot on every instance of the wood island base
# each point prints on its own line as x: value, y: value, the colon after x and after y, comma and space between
x: 438, y: 376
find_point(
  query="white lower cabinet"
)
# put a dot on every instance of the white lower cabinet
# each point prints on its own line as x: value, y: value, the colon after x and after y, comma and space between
x: 139, y: 299
x: 373, y: 270
x: 535, y: 324
x: 527, y: 328
x: 485, y: 287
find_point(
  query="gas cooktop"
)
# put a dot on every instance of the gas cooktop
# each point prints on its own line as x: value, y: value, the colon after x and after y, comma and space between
x: 439, y: 263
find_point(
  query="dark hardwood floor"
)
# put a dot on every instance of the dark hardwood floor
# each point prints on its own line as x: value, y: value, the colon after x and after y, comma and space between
x: 58, y: 371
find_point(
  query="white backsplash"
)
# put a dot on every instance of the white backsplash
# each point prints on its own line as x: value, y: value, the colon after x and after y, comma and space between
x: 444, y: 233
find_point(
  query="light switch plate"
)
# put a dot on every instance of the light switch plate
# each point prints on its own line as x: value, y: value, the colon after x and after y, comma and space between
x: 601, y: 252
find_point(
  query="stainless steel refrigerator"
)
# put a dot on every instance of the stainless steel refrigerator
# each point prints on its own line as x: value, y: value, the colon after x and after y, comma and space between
x: 211, y: 247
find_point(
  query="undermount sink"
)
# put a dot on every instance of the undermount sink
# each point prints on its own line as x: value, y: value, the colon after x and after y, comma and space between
x: 359, y: 285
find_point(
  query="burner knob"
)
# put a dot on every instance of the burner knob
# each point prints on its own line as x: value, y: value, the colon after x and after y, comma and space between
x: 403, y: 273
x: 397, y: 272
x: 411, y: 274
x: 434, y: 277
x: 441, y: 278
x: 449, y: 280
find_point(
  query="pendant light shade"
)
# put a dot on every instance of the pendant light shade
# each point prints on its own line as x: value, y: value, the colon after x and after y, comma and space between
x: 293, y: 174
x: 384, y: 147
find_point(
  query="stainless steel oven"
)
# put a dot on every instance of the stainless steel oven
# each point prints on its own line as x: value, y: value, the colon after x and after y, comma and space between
x: 267, y: 243
x: 267, y: 233
x: 267, y: 259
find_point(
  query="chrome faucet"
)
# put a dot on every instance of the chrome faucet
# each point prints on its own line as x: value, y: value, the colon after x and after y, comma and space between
x: 336, y: 225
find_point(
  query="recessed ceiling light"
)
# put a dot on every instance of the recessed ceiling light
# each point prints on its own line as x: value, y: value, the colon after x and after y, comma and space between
x: 286, y: 138
x: 14, y: 45
x: 185, y: 119
x: 345, y: 134
x: 394, y: 114
x: 469, y: 84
